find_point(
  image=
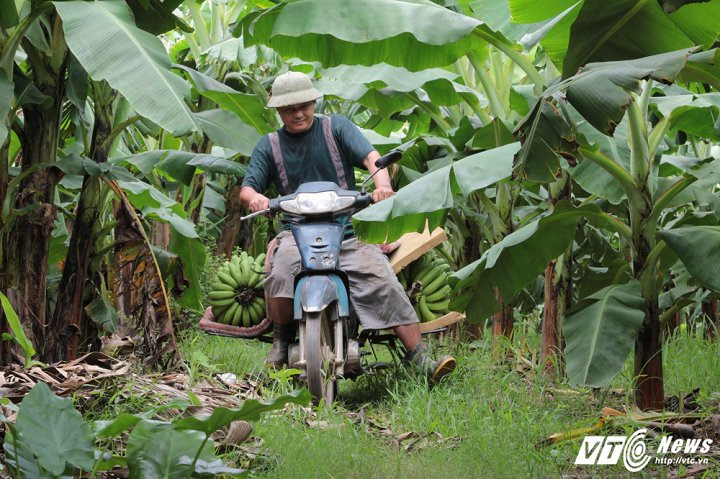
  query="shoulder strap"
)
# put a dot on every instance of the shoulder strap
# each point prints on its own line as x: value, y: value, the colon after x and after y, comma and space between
x: 334, y: 152
x: 279, y: 163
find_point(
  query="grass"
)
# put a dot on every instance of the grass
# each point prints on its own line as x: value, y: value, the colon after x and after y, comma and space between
x: 483, y: 421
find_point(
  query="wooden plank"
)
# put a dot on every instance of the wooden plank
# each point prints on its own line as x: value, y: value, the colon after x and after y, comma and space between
x: 414, y: 245
x: 451, y: 318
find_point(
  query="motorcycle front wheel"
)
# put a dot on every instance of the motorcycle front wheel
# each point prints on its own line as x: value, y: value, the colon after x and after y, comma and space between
x: 319, y: 357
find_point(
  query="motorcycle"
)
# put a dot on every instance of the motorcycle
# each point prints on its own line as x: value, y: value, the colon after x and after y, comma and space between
x: 328, y: 343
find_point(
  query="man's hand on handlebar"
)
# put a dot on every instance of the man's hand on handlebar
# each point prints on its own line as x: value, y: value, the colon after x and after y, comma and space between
x: 381, y: 193
x: 258, y: 203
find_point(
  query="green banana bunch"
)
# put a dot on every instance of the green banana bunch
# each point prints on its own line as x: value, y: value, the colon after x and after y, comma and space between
x: 237, y: 296
x: 426, y: 280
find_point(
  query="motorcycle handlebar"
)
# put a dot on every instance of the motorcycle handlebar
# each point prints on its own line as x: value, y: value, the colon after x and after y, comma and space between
x: 363, y: 201
x: 360, y: 202
x: 257, y: 213
x: 388, y: 159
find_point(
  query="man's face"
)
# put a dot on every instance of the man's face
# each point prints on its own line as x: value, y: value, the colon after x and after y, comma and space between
x: 297, y: 118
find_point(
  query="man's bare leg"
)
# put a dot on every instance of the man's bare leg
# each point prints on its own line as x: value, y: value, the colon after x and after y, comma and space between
x: 280, y: 310
x: 409, y: 335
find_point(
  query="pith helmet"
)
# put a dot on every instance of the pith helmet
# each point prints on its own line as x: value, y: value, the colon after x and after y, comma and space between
x: 292, y: 88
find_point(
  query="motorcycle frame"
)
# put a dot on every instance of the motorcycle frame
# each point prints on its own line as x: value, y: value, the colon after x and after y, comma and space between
x: 321, y: 283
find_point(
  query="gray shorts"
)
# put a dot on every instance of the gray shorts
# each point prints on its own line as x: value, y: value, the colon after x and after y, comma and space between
x: 375, y: 293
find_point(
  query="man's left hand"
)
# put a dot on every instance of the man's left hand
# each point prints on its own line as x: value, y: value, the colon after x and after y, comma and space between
x: 381, y: 193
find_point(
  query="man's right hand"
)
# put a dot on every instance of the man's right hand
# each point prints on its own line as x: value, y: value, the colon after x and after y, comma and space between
x: 253, y: 200
x: 258, y: 203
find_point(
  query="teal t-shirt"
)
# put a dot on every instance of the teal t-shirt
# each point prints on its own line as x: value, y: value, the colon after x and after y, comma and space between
x: 306, y: 156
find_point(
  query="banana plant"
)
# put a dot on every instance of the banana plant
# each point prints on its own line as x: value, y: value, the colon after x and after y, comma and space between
x: 601, y: 328
x: 50, y: 45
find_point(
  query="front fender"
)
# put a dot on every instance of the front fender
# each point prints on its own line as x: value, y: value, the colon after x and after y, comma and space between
x: 313, y: 293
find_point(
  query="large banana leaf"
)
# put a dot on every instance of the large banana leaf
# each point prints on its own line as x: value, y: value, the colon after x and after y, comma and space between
x: 104, y: 38
x: 516, y: 260
x: 402, y: 213
x: 606, y: 30
x: 621, y: 29
x: 415, y: 34
x: 601, y: 92
x: 496, y: 14
x: 546, y: 134
x: 600, y: 331
x: 226, y: 129
x: 698, y: 247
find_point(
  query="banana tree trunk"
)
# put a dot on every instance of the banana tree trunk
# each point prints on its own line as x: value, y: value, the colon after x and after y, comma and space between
x: 558, y: 291
x: 140, y: 293
x: 649, y: 389
x: 473, y: 246
x: 62, y: 342
x: 160, y: 234
x: 648, y: 369
x: 123, y: 285
x: 504, y: 320
x: 4, y: 173
x: 712, y: 319
x: 28, y: 243
x: 196, y: 197
x: 502, y: 326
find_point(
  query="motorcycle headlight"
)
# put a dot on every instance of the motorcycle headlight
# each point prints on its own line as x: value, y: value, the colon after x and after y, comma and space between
x: 317, y: 203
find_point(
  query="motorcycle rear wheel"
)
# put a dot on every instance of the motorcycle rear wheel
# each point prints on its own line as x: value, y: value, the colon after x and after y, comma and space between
x: 319, y: 357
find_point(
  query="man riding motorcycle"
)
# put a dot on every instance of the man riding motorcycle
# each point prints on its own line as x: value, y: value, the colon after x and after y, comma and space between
x: 313, y: 147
